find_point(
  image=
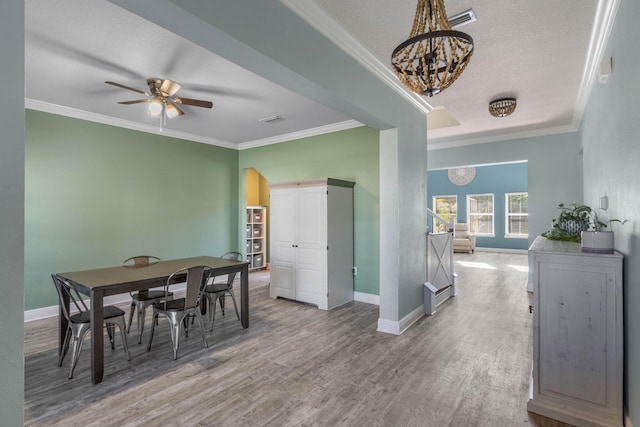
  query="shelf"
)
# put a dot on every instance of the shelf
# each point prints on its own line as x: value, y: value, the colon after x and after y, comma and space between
x: 256, y: 230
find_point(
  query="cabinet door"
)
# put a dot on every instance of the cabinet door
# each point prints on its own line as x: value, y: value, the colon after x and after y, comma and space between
x: 311, y: 245
x: 282, y: 243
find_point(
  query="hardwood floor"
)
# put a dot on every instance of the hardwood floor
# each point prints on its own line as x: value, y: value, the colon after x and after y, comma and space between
x: 467, y: 365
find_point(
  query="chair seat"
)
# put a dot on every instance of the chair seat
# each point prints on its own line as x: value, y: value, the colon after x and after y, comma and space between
x: 150, y: 295
x: 172, y: 305
x: 216, y: 287
x: 110, y: 312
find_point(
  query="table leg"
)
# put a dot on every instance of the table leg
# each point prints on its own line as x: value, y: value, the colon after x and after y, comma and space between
x: 244, y: 296
x: 97, y: 340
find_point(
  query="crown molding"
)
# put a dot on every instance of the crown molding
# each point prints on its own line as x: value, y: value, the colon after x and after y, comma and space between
x: 315, y: 16
x: 602, y: 26
x: 320, y: 130
x: 451, y: 142
x: 127, y: 124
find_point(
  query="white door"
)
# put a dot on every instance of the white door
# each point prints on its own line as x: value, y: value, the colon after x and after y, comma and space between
x: 282, y: 243
x: 311, y: 245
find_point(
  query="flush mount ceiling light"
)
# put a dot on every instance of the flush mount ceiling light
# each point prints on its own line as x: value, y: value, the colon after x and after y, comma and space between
x: 502, y: 107
x: 429, y: 62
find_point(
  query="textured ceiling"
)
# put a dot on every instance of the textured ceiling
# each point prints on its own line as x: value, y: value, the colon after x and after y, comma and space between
x: 534, y: 51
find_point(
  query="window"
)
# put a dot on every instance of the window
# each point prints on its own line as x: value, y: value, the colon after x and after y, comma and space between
x: 445, y: 207
x: 480, y: 214
x: 517, y: 215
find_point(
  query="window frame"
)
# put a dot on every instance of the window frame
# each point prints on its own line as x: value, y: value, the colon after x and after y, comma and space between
x: 434, y: 205
x: 508, y: 215
x: 492, y: 214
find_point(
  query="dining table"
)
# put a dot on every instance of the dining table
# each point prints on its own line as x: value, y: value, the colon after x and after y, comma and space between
x: 101, y: 282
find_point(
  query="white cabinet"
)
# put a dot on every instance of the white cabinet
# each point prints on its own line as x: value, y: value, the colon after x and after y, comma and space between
x: 577, y: 334
x: 311, y: 241
x: 256, y: 237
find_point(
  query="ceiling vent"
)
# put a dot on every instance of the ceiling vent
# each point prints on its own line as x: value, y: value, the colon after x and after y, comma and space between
x: 463, y: 18
x: 271, y: 119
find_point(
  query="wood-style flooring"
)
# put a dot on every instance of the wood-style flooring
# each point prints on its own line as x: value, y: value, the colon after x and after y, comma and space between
x: 467, y: 365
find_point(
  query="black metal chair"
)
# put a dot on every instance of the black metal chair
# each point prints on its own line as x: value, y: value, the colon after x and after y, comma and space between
x: 143, y: 299
x: 179, y: 310
x: 80, y: 323
x: 217, y: 291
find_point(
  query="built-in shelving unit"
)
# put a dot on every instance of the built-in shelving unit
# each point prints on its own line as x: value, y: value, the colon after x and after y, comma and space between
x: 256, y: 237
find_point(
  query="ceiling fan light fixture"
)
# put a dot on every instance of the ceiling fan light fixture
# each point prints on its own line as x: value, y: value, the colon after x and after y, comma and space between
x: 434, y: 55
x: 171, y: 111
x: 155, y: 108
x: 502, y: 107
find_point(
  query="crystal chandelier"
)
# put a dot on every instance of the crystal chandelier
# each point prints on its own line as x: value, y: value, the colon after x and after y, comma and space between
x: 429, y: 62
x: 502, y: 107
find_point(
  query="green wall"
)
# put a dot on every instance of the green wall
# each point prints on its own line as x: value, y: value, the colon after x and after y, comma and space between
x: 609, y: 138
x: 97, y: 194
x: 350, y: 155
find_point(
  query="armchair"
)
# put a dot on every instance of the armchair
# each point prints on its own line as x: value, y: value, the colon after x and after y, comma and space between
x: 463, y: 241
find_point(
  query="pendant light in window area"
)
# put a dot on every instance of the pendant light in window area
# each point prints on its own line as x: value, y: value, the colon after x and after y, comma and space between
x: 429, y: 62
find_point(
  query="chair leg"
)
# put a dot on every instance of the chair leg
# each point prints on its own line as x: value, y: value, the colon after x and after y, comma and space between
x: 110, y: 333
x: 131, y: 310
x: 221, y: 300
x: 120, y: 322
x: 65, y: 346
x: 204, y: 339
x: 213, y: 310
x: 140, y: 318
x: 77, y: 347
x: 233, y: 298
x: 153, y: 327
x: 175, y: 332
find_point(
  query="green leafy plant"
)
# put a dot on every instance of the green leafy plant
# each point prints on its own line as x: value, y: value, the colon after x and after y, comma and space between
x: 575, y: 219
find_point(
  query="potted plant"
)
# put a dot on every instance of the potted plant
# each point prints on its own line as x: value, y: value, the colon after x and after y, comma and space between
x: 571, y: 221
x: 581, y: 224
x: 598, y: 240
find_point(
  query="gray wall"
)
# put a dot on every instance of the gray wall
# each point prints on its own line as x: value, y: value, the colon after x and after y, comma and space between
x: 611, y: 150
x: 12, y: 213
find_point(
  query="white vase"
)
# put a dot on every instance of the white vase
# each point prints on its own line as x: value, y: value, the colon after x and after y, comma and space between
x: 597, y: 242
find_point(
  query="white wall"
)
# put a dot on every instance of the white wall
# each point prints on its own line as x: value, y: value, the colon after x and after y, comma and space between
x: 12, y: 213
x: 611, y: 153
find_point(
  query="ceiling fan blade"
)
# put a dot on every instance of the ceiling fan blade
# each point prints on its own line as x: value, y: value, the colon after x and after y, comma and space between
x: 169, y: 87
x: 194, y: 102
x: 126, y: 87
x: 137, y: 101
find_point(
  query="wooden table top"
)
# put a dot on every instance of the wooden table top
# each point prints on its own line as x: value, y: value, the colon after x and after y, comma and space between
x: 102, y: 277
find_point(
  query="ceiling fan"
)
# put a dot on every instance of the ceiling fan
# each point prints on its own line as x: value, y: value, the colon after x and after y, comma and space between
x: 161, y: 99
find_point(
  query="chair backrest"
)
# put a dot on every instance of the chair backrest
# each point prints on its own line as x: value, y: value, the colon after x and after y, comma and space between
x: 461, y: 230
x: 236, y: 256
x: 140, y: 261
x: 67, y: 291
x: 196, y: 279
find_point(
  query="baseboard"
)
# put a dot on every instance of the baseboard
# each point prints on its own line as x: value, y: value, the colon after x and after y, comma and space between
x: 398, y: 327
x: 503, y: 250
x: 52, y: 311
x: 368, y: 298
